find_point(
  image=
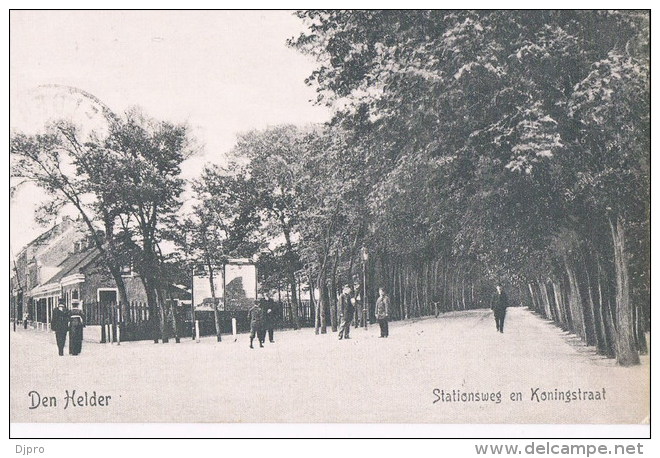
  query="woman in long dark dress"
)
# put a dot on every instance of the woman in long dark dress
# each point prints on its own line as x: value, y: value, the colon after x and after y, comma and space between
x: 76, y: 325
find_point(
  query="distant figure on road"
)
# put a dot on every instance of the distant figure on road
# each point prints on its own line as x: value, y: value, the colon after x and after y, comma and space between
x: 60, y: 324
x: 269, y: 318
x: 26, y: 317
x: 346, y: 311
x: 179, y: 315
x: 357, y: 305
x: 256, y: 316
x: 499, y: 304
x: 76, y: 325
x: 383, y: 312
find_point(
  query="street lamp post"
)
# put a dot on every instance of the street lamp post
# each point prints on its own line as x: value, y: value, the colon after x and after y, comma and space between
x: 365, y: 306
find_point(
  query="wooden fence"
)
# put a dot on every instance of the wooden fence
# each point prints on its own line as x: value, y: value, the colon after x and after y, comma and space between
x: 134, y: 322
x: 119, y: 324
x: 97, y: 313
x: 305, y: 313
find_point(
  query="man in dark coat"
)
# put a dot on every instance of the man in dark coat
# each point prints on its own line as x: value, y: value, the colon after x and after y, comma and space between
x: 256, y: 316
x: 76, y: 325
x: 60, y: 324
x: 346, y: 311
x: 499, y: 304
x: 179, y: 315
x: 270, y: 316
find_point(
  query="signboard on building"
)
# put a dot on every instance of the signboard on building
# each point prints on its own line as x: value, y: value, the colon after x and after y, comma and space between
x: 240, y: 285
x: 237, y: 279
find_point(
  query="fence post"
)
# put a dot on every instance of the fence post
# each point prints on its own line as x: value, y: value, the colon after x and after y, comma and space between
x: 113, y: 323
x: 233, y: 327
x: 102, y: 322
x: 197, y: 331
x: 118, y: 325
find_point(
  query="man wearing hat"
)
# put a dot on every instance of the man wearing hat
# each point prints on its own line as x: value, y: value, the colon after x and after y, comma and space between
x: 256, y: 316
x: 346, y: 310
x: 499, y: 305
x: 268, y: 309
x: 60, y: 324
x: 76, y: 325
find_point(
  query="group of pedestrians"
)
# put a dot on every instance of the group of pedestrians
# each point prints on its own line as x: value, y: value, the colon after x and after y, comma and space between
x: 262, y: 318
x: 69, y: 322
x: 347, y: 308
x: 262, y: 322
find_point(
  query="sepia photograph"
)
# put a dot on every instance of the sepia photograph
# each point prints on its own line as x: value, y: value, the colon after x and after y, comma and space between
x: 329, y: 217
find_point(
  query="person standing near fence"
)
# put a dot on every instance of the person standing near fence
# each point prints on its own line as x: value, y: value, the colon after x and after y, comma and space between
x: 499, y: 304
x: 60, y: 324
x: 383, y: 312
x: 256, y: 316
x: 76, y: 325
x: 179, y: 315
x: 269, y: 318
x: 346, y: 311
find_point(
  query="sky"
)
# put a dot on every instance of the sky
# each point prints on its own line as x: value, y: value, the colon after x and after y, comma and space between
x: 222, y: 72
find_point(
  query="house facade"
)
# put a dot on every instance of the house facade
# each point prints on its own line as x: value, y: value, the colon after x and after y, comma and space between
x: 38, y: 261
x: 63, y: 263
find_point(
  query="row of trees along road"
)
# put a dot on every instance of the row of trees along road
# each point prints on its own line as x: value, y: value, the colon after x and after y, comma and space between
x: 508, y: 146
x: 466, y: 148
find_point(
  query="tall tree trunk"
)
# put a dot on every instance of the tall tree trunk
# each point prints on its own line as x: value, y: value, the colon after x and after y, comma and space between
x: 165, y: 329
x: 575, y: 302
x: 313, y: 303
x: 535, y: 306
x: 216, y: 313
x: 325, y: 306
x: 640, y: 332
x: 595, y: 326
x: 608, y: 330
x: 601, y: 336
x: 545, y: 297
x: 121, y: 289
x: 445, y: 287
x: 333, y: 292
x: 626, y: 354
x: 153, y: 308
x: 318, y: 307
x: 291, y: 276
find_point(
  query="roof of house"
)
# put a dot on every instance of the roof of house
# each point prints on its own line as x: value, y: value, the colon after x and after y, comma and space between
x: 74, y: 263
x: 41, y: 238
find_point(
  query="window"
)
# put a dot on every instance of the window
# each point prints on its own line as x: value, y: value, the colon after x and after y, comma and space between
x: 127, y: 270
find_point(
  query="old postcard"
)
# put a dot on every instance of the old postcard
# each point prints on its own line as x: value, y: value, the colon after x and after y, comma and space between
x: 330, y: 217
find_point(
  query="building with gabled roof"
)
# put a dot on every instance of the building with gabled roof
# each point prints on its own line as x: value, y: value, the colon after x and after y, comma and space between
x: 63, y: 263
x: 39, y: 261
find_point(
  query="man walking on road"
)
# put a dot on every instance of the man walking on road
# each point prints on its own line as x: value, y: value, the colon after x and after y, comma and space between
x: 268, y: 310
x: 499, y: 304
x: 383, y: 312
x: 256, y: 316
x: 60, y: 324
x: 346, y: 310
